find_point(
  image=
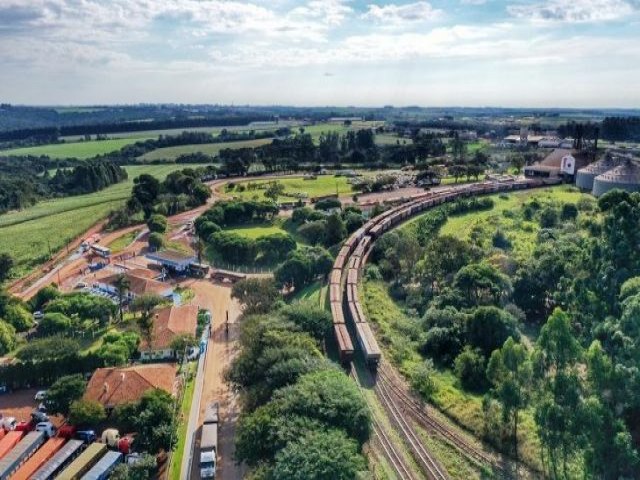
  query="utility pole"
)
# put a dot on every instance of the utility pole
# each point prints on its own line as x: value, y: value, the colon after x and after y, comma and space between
x: 226, y: 325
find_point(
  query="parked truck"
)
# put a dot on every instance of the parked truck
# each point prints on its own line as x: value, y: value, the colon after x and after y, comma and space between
x: 59, y: 461
x: 209, y: 443
x: 84, y: 462
x: 9, y: 441
x: 48, y: 450
x: 20, y: 453
x: 104, y: 467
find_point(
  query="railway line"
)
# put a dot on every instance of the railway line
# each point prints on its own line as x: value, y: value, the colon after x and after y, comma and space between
x: 346, y: 305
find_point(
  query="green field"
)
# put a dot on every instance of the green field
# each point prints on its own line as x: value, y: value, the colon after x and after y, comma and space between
x: 323, y: 185
x: 81, y: 150
x: 28, y: 234
x: 256, y: 231
x: 171, y: 153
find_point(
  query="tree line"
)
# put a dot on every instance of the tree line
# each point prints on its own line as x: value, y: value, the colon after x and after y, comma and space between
x: 579, y: 286
x: 302, y: 417
x: 24, y: 181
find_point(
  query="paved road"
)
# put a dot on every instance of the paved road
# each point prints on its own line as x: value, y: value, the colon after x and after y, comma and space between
x: 221, y: 349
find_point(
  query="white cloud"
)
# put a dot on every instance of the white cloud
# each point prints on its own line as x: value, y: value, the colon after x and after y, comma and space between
x: 401, y: 14
x: 573, y: 11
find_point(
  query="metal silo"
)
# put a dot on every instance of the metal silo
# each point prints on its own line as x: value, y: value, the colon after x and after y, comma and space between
x: 586, y: 175
x: 626, y: 176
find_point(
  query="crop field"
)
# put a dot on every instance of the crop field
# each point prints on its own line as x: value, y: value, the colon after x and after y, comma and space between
x: 171, y: 153
x: 29, y: 234
x: 81, y: 150
x: 323, y: 185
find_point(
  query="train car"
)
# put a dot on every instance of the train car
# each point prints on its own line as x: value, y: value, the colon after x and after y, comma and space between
x: 39, y: 458
x: 360, y: 316
x: 336, y: 312
x: 60, y: 460
x: 368, y: 344
x: 352, y: 276
x: 336, y: 276
x: 9, y: 441
x: 20, y: 453
x: 376, y: 231
x: 345, y: 345
x: 335, y: 294
x: 104, y: 467
x: 354, y: 314
x: 354, y: 262
x: 352, y: 293
x: 84, y: 462
x: 340, y: 262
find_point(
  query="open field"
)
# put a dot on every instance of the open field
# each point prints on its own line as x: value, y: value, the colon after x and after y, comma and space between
x: 323, y: 185
x: 81, y: 150
x: 171, y: 153
x: 256, y: 231
x: 29, y: 234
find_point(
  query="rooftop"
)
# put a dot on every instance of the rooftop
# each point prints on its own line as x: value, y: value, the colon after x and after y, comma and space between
x: 140, y: 285
x: 169, y: 322
x: 171, y: 256
x: 114, y: 386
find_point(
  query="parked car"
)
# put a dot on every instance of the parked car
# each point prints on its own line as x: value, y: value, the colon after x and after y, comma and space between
x: 193, y: 353
x: 81, y: 285
x: 42, y: 407
x: 46, y: 427
x: 37, y: 416
x: 38, y: 315
x: 8, y: 423
x: 40, y: 395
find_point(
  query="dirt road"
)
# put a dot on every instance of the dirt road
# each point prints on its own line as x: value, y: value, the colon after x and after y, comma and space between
x: 221, y: 350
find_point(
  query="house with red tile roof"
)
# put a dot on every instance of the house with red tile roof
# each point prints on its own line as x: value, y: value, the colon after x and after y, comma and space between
x: 168, y: 323
x: 139, y: 284
x: 114, y: 386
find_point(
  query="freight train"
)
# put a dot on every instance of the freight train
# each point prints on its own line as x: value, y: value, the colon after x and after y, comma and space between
x: 345, y: 275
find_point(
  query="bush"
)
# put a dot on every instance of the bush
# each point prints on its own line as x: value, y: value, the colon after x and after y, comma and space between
x: 7, y: 337
x: 157, y: 223
x: 548, y: 217
x: 470, y: 368
x: 48, y: 348
x: 422, y: 380
x: 569, y: 212
x: 156, y: 241
x: 328, y: 204
x: 500, y: 240
x: 86, y: 413
x: 313, y: 232
x: 53, y: 323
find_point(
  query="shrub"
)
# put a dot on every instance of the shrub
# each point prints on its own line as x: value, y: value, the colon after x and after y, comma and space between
x: 470, y: 367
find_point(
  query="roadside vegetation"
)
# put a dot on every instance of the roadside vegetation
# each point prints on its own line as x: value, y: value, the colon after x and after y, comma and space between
x: 501, y: 319
x: 302, y: 416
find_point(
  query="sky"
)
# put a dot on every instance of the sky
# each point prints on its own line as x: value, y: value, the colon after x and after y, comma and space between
x: 510, y: 53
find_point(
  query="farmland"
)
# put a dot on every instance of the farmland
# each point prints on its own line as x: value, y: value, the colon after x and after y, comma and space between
x: 171, y: 153
x: 29, y: 234
x: 323, y: 185
x: 80, y: 150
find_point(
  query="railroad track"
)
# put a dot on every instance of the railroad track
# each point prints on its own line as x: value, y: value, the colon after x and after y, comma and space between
x: 394, y: 458
x: 417, y: 411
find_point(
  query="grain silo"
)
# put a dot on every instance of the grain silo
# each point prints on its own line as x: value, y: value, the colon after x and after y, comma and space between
x: 586, y: 175
x: 626, y: 176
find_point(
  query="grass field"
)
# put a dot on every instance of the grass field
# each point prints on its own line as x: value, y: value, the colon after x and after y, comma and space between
x: 257, y: 231
x: 323, y: 185
x: 81, y: 150
x: 27, y: 235
x: 171, y: 153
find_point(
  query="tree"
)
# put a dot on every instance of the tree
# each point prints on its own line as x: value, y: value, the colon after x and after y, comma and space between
x: 7, y: 337
x: 559, y: 410
x: 482, y: 284
x: 510, y: 373
x: 157, y: 223
x: 422, y: 379
x: 315, y: 321
x: 143, y: 469
x: 313, y: 232
x: 17, y: 315
x: 489, y: 327
x: 63, y: 393
x: 181, y: 342
x: 470, y: 368
x: 156, y: 241
x: 256, y: 294
x: 48, y: 348
x: 321, y: 455
x: 274, y: 190
x: 86, y: 413
x: 146, y: 302
x: 121, y: 284
x: 6, y: 264
x: 54, y: 323
x: 335, y: 230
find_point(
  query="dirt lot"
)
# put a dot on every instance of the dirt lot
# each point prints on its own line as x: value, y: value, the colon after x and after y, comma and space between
x: 20, y: 404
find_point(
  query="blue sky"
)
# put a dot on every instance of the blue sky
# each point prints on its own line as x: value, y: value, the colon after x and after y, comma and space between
x: 540, y: 53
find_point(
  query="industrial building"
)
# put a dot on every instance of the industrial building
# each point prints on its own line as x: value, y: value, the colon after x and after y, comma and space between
x: 613, y: 171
